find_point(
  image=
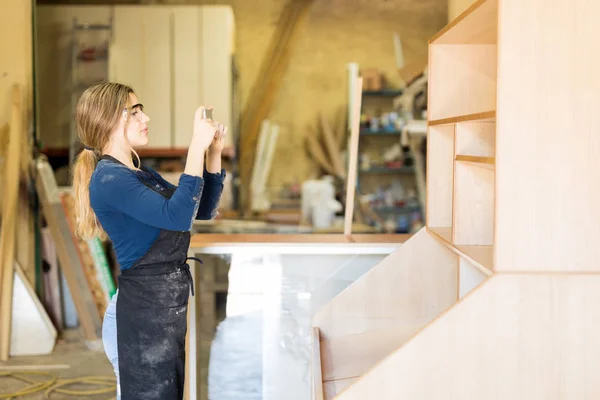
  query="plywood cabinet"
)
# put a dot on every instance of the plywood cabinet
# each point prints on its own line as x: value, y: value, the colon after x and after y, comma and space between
x: 512, y: 226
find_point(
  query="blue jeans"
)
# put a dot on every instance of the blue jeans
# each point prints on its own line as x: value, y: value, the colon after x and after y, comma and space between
x: 109, y: 338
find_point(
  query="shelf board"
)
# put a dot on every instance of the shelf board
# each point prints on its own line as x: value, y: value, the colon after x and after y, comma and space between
x: 482, y: 257
x: 483, y: 162
x: 487, y: 116
x: 478, y: 24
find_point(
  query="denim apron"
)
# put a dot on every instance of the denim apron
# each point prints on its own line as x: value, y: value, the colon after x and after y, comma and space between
x: 152, y: 319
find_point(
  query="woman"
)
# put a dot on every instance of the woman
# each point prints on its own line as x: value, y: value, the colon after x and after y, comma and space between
x: 148, y: 222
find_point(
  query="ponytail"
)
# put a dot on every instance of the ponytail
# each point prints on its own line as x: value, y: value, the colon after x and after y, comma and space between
x: 87, y: 225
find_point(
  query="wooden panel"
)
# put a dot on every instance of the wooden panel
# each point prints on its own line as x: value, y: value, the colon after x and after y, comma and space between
x: 477, y: 23
x: 216, y: 42
x: 529, y: 337
x: 16, y: 50
x: 469, y: 278
x: 463, y: 80
x: 409, y: 287
x: 352, y: 355
x: 440, y: 175
x: 186, y: 64
x: 548, y: 192
x: 157, y: 62
x: 140, y: 57
x: 317, y: 376
x: 126, y: 61
x: 473, y: 216
x: 475, y: 139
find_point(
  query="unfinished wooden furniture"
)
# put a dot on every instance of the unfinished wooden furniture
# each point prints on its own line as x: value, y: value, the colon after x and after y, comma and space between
x: 497, y: 298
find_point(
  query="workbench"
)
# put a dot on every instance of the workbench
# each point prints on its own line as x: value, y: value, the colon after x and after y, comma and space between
x: 323, y: 258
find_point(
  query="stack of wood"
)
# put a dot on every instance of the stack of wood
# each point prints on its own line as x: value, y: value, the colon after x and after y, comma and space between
x: 17, y: 273
x: 25, y: 325
x: 266, y: 86
x: 326, y: 146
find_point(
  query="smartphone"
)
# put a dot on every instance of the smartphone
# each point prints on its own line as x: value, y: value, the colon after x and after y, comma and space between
x: 207, y: 113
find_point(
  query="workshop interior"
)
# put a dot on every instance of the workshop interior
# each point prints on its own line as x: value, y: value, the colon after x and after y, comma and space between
x: 410, y: 209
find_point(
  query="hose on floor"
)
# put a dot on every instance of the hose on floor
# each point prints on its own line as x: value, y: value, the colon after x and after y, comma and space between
x: 52, y: 384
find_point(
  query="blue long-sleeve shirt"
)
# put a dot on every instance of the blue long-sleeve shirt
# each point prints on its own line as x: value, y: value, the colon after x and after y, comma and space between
x: 132, y: 214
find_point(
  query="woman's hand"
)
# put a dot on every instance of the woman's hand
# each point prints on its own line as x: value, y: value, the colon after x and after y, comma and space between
x: 204, y: 130
x: 216, y: 146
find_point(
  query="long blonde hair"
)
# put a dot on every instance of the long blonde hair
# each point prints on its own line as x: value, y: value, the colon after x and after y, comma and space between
x: 97, y: 115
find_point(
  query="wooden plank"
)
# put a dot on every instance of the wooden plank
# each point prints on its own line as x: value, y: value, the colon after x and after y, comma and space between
x: 424, y: 275
x: 477, y: 24
x: 331, y: 144
x: 317, y: 376
x: 465, y: 82
x: 475, y: 350
x: 205, y: 240
x: 548, y: 201
x: 9, y: 214
x: 353, y: 159
x: 90, y: 321
x: 482, y: 257
x: 99, y: 294
x: 484, y: 116
x: 440, y: 176
x: 157, y: 92
x: 187, y: 68
x: 317, y: 153
x: 216, y: 42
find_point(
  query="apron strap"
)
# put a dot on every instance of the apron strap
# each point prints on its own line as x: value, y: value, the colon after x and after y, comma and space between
x: 188, y: 273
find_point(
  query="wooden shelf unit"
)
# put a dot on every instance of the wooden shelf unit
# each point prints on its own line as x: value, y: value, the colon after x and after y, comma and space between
x: 508, y: 258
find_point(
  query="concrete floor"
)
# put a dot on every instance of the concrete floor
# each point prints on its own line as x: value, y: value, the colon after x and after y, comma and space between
x: 69, y: 350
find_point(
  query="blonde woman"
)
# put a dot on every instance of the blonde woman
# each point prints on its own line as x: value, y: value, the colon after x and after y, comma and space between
x: 148, y: 222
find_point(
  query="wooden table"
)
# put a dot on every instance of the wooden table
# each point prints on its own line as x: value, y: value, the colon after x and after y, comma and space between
x: 202, y: 322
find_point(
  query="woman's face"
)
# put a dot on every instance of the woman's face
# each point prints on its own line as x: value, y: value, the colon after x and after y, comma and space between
x: 137, y: 127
